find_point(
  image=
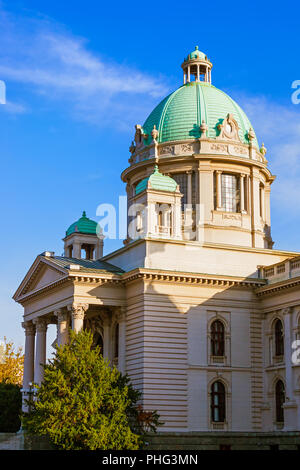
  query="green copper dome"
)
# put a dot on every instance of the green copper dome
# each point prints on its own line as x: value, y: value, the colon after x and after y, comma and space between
x: 179, y: 115
x: 196, y: 54
x: 83, y: 225
x: 158, y: 181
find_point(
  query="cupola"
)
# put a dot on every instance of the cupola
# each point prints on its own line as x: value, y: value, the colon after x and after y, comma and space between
x: 84, y: 239
x: 196, y: 65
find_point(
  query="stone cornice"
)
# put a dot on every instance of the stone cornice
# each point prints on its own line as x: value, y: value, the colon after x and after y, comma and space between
x: 270, y: 289
x: 23, y: 298
x: 38, y: 264
x: 190, y: 278
x: 147, y: 275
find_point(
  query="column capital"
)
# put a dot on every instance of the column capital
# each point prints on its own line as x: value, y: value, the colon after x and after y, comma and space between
x: 189, y: 172
x: 78, y: 310
x: 41, y: 324
x: 219, y: 172
x: 286, y: 311
x: 297, y: 309
x: 242, y: 175
x: 61, y: 315
x: 106, y: 318
x: 121, y: 314
x: 29, y: 328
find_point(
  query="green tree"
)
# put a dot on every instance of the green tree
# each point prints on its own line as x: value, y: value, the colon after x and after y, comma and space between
x: 83, y: 403
x: 10, y: 407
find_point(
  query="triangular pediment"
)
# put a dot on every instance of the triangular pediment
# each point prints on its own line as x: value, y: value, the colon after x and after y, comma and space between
x: 41, y: 274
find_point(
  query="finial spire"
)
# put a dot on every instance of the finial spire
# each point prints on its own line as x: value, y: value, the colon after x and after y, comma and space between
x: 83, y: 214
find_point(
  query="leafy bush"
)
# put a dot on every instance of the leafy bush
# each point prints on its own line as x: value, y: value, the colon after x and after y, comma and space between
x: 83, y: 403
x: 10, y: 407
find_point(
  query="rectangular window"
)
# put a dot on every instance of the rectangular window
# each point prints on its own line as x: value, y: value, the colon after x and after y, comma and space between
x: 230, y: 193
x: 181, y: 180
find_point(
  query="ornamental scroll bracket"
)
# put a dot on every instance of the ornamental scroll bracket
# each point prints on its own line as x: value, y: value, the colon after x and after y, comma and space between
x: 229, y: 129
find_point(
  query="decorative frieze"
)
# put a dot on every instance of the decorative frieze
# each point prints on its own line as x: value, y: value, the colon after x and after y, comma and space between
x: 219, y: 147
x: 186, y: 148
x: 231, y: 216
x: 167, y: 150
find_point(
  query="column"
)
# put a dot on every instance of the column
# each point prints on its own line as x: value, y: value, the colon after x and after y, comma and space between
x: 29, y: 354
x: 242, y: 193
x: 188, y: 218
x: 267, y: 209
x: 256, y: 226
x: 77, y: 250
x: 219, y: 190
x: 40, y: 349
x: 206, y: 198
x: 106, y: 336
x: 62, y: 326
x: 99, y: 248
x: 184, y: 77
x: 177, y: 221
x: 77, y: 314
x: 290, y: 406
x: 198, y: 76
x: 189, y: 74
x: 151, y: 219
x: 122, y: 340
x: 262, y: 201
x: 189, y: 187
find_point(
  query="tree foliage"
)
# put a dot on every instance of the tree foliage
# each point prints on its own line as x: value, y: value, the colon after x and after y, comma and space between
x: 10, y: 407
x: 83, y: 403
x: 11, y: 363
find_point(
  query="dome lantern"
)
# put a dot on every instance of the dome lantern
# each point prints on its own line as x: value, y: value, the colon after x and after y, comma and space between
x: 84, y: 239
x: 196, y: 64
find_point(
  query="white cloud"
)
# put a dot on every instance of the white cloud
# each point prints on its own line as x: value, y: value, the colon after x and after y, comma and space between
x: 278, y: 126
x: 13, y: 108
x: 58, y: 66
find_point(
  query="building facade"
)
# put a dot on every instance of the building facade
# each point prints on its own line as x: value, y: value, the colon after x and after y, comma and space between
x: 196, y: 307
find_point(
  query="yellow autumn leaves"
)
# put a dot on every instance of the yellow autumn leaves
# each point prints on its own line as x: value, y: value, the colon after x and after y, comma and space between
x: 11, y: 363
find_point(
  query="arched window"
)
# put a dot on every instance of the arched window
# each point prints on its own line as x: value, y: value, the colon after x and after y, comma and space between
x: 218, y: 402
x: 116, y: 341
x: 279, y: 347
x: 280, y: 399
x: 217, y: 338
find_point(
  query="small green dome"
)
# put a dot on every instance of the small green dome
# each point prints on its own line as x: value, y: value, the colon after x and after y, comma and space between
x: 179, y: 115
x: 158, y: 181
x: 196, y: 54
x: 83, y: 225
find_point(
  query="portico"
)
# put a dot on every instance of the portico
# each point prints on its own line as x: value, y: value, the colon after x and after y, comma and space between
x: 71, y: 302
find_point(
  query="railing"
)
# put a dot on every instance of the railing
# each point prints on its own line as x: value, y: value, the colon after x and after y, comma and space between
x: 281, y: 271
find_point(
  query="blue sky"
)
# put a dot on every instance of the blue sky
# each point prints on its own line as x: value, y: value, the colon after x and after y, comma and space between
x: 79, y: 76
